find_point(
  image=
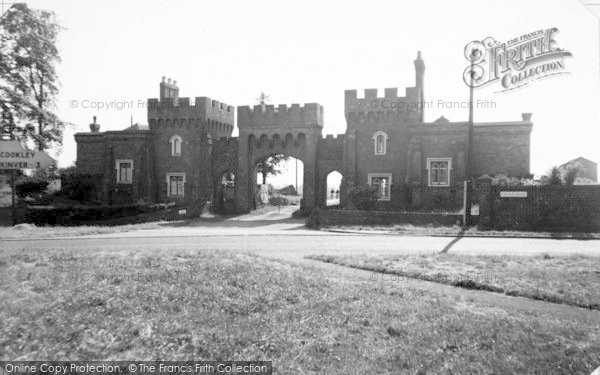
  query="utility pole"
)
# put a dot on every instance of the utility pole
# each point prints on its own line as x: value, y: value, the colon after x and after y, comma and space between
x: 468, y: 183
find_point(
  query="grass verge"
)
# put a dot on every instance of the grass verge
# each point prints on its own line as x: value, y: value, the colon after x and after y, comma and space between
x: 572, y: 280
x: 31, y: 230
x: 455, y: 230
x: 175, y: 305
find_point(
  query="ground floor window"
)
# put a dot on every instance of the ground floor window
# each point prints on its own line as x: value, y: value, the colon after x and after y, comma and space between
x: 380, y: 184
x: 175, y: 184
x: 124, y: 171
x: 439, y: 171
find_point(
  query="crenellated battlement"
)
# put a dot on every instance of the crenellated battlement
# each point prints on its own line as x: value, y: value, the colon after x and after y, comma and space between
x: 389, y: 102
x: 183, y: 108
x: 332, y: 147
x: 268, y: 116
x: 334, y: 139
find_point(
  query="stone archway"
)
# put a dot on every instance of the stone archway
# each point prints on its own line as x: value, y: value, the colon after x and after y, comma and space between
x: 264, y: 130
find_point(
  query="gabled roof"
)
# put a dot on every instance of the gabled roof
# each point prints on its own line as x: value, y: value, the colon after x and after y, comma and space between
x: 137, y: 127
x: 581, y: 158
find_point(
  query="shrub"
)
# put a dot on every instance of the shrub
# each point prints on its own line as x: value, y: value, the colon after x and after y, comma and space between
x: 80, y: 187
x: 571, y: 174
x: 278, y: 201
x: 363, y: 197
x: 30, y: 186
x: 553, y: 177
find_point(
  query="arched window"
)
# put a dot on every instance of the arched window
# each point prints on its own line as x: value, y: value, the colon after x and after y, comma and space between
x: 380, y: 143
x: 175, y: 145
x: 439, y: 171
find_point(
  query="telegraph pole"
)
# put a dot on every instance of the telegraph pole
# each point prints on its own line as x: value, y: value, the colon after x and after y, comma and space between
x: 468, y: 183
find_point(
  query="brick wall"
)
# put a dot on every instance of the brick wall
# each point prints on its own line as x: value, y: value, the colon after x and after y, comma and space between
x: 327, y: 217
x: 547, y: 208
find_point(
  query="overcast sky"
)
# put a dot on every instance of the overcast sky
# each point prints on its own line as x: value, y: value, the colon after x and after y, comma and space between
x: 311, y: 51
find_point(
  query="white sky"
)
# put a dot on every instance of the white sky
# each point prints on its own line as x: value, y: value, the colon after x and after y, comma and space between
x: 311, y: 51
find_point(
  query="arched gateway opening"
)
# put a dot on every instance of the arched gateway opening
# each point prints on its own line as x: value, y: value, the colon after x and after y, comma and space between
x: 333, y: 193
x: 225, y: 193
x: 279, y: 183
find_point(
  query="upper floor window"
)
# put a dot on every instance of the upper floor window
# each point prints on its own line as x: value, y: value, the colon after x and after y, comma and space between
x: 175, y: 145
x: 439, y: 171
x: 381, y: 185
x: 380, y: 143
x: 124, y: 171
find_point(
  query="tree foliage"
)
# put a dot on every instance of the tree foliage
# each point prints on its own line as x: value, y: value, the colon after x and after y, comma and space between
x: 571, y: 173
x: 270, y: 166
x: 553, y: 177
x: 28, y: 79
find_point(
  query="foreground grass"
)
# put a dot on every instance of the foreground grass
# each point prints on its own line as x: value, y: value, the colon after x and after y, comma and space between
x: 30, y: 230
x: 174, y: 305
x: 573, y: 280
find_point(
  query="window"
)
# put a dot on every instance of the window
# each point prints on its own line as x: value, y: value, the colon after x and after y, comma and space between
x: 439, y: 171
x: 380, y: 140
x: 124, y: 171
x: 175, y: 184
x: 175, y: 145
x: 380, y: 184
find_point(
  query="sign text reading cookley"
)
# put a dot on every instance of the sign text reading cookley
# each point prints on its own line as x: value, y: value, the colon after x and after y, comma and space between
x: 517, y: 62
x: 14, y: 156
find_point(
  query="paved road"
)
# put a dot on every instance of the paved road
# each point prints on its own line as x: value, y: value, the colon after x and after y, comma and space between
x: 288, y: 238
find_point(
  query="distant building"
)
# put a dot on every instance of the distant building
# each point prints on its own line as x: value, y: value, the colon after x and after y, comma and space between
x: 587, y: 168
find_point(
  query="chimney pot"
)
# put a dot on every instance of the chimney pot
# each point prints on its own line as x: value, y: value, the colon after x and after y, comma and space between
x: 94, y: 127
x: 526, y: 116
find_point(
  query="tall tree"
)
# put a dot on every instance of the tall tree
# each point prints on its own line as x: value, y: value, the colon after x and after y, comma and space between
x: 28, y: 79
x: 271, y: 164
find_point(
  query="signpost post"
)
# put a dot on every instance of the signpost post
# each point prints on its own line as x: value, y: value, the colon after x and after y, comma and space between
x: 14, y: 157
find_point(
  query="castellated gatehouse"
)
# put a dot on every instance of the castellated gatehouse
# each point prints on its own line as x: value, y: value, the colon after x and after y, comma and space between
x: 187, y: 148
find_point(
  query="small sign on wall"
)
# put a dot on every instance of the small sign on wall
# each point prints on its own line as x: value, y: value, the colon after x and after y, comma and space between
x: 513, y: 194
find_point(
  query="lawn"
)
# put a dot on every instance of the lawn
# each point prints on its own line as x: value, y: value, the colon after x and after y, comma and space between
x: 185, y: 304
x: 573, y: 279
x: 31, y: 231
